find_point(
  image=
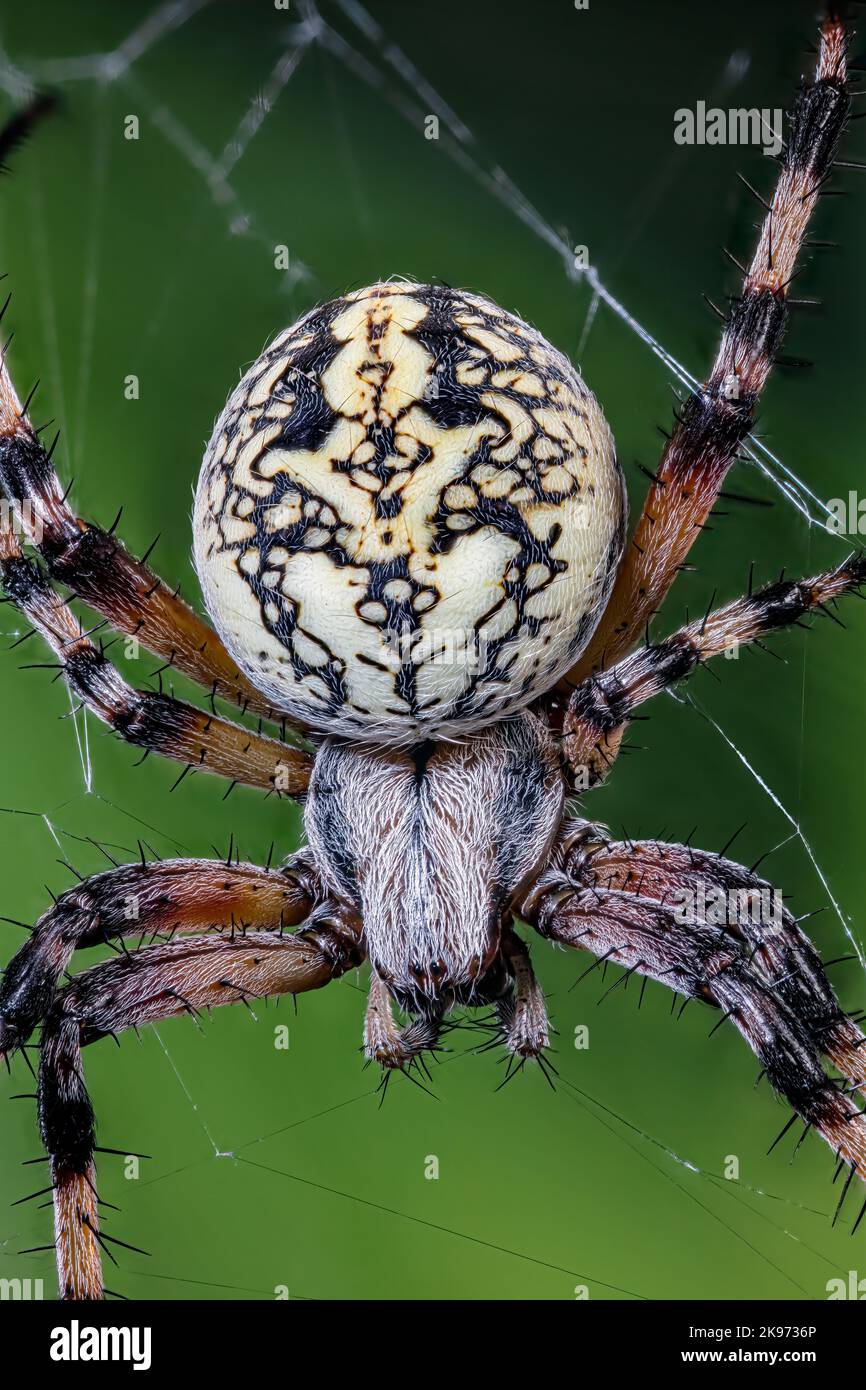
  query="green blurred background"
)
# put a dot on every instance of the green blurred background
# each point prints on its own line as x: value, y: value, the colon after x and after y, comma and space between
x: 278, y: 1168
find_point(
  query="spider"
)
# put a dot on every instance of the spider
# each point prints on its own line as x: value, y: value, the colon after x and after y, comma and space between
x: 410, y: 532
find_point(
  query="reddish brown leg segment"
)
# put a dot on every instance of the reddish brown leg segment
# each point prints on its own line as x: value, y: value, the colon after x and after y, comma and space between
x: 600, y: 707
x: 155, y: 722
x: 714, y: 422
x: 99, y: 570
x: 145, y: 900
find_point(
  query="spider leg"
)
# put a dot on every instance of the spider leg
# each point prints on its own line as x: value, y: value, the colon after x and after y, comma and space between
x: 644, y: 907
x: 146, y: 900
x: 715, y: 421
x: 600, y: 707
x: 147, y: 986
x: 150, y: 720
x: 716, y: 891
x: 101, y: 572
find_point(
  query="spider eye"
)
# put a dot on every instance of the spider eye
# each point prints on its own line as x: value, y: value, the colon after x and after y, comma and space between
x: 409, y: 515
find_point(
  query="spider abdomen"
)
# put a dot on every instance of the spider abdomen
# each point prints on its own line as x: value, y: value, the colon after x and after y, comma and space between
x: 409, y: 515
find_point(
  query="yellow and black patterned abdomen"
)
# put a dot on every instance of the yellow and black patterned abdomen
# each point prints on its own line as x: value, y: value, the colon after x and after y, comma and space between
x: 409, y: 515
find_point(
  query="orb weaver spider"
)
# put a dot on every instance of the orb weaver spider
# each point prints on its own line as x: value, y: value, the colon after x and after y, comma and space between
x: 410, y: 534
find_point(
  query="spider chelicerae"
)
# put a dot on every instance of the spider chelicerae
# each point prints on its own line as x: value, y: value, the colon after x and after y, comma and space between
x: 410, y: 534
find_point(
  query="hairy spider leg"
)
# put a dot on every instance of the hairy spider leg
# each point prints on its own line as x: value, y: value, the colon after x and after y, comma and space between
x: 147, y: 900
x: 714, y: 889
x: 643, y: 907
x: 144, y: 987
x: 148, y: 719
x: 98, y: 569
x: 714, y: 422
x: 600, y: 707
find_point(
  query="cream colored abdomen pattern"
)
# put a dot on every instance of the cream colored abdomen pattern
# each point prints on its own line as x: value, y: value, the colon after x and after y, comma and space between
x: 409, y: 515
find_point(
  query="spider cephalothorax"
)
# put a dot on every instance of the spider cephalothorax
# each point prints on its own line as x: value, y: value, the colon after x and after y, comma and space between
x: 432, y: 844
x: 409, y: 532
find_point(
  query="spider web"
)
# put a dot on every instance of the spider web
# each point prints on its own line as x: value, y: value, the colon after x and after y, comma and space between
x: 355, y: 40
